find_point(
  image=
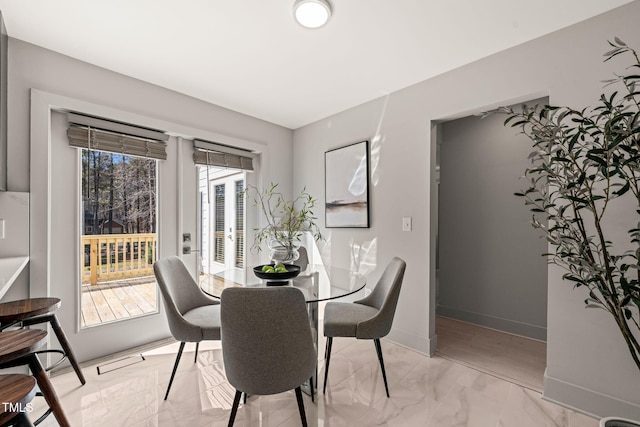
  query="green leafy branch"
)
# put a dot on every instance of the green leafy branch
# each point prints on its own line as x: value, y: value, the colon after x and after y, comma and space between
x: 287, y: 220
x: 583, y: 162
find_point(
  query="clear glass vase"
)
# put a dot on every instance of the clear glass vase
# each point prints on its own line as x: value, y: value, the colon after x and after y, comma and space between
x: 285, y: 252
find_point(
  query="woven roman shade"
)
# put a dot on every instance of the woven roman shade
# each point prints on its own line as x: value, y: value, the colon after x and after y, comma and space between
x: 220, y: 155
x: 116, y: 137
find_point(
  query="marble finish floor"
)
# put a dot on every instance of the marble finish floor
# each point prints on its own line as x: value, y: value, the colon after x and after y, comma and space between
x: 434, y: 392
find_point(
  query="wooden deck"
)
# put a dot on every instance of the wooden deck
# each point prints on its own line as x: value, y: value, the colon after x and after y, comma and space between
x: 123, y: 299
x: 110, y: 301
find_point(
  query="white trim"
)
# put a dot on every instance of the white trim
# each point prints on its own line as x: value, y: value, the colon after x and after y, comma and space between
x: 414, y: 342
x: 179, y: 197
x: 40, y: 237
x: 574, y: 397
x: 40, y: 181
x: 508, y: 326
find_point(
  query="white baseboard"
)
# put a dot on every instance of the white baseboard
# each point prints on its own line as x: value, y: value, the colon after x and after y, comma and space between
x: 514, y: 327
x: 412, y: 341
x: 588, y: 401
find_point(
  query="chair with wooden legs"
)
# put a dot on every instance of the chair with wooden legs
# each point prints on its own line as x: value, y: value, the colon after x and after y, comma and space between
x: 16, y: 393
x: 18, y: 348
x: 33, y: 311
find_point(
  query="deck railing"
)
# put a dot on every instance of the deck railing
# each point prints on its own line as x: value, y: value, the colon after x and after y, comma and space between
x: 117, y: 256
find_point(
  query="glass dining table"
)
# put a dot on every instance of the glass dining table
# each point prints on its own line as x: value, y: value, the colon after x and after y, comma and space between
x: 317, y: 282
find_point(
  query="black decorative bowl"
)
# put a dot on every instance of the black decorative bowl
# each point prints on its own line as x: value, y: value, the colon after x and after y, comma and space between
x: 277, y: 278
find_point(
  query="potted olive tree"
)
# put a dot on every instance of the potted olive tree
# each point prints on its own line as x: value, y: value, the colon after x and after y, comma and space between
x: 286, y: 222
x: 585, y: 169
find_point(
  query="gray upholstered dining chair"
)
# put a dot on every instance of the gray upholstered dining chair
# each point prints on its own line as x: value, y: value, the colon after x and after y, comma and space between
x: 367, y: 318
x: 192, y: 316
x: 303, y: 259
x: 266, y: 342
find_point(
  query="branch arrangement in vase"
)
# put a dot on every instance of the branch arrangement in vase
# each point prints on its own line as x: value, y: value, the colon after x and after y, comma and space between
x: 287, y: 220
x: 584, y: 179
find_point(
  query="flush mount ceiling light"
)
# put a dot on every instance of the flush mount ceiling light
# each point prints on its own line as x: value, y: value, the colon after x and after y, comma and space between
x: 312, y: 13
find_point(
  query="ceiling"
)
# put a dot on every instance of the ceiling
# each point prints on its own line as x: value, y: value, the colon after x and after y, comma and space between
x: 250, y: 56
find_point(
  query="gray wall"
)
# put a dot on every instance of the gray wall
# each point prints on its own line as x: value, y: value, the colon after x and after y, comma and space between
x: 567, y: 66
x: 33, y: 167
x: 491, y: 271
x: 31, y: 66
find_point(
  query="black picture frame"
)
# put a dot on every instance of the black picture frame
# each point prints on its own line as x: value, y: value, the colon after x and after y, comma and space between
x: 346, y: 171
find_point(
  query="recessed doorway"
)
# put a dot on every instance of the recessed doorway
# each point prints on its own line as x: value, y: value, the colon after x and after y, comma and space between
x: 491, y: 278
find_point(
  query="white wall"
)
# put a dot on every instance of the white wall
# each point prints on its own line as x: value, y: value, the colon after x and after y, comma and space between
x: 588, y: 366
x: 32, y: 167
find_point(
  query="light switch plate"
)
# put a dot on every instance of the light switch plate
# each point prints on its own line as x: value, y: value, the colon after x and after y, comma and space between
x: 406, y: 223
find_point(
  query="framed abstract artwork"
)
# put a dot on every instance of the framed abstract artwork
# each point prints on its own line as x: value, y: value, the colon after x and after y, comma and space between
x: 346, y: 171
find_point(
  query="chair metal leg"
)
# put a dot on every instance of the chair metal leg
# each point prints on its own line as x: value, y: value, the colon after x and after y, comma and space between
x: 175, y: 368
x: 20, y: 420
x: 313, y: 390
x: 234, y: 408
x: 327, y: 356
x: 195, y: 359
x: 303, y: 417
x: 384, y: 375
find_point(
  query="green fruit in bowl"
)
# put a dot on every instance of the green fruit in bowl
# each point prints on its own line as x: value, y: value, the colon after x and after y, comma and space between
x: 268, y: 269
x: 281, y: 269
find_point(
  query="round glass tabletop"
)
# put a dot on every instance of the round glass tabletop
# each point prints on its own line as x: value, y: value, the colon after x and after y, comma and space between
x: 317, y: 282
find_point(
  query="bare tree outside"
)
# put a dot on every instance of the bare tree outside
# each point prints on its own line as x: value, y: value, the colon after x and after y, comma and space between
x: 118, y: 189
